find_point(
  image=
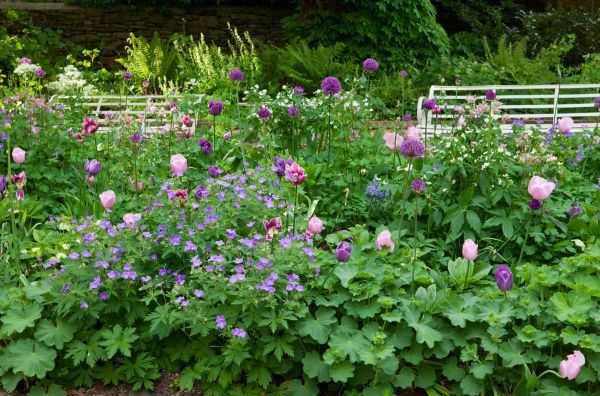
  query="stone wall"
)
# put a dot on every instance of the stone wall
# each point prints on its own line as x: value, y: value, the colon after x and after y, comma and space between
x: 108, y: 28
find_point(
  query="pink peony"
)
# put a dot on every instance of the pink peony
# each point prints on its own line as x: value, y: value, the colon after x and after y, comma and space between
x: 570, y: 368
x: 18, y: 155
x: 469, y: 250
x: 539, y: 188
x: 384, y: 239
x: 315, y: 225
x: 295, y: 174
x: 393, y: 140
x: 178, y: 164
x: 107, y: 199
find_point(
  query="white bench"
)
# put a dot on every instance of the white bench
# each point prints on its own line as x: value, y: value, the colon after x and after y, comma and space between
x: 535, y: 105
x: 135, y: 106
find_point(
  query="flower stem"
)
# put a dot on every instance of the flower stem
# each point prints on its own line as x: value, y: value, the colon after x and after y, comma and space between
x: 414, y: 256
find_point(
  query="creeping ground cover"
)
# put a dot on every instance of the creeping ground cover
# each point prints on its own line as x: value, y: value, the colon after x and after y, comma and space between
x: 283, y: 244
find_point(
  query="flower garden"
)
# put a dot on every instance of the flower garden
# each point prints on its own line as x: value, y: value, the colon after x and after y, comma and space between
x: 281, y: 242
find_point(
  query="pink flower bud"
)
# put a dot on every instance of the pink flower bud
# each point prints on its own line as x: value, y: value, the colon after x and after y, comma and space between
x: 178, y: 165
x: 315, y: 225
x: 469, y: 250
x: 384, y: 239
x: 107, y: 199
x: 18, y: 155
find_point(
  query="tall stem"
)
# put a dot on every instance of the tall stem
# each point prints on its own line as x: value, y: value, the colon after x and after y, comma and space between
x: 294, y: 212
x: 214, y: 133
x: 414, y: 256
x: 241, y: 132
x: 526, y: 235
x: 329, y: 133
x: 406, y: 177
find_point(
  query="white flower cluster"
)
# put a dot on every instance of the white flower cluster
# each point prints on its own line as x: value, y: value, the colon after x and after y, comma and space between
x: 71, y: 81
x: 26, y: 69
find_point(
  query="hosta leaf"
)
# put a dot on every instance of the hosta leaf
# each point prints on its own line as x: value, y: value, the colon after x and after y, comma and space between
x: 341, y: 372
x: 31, y: 358
x: 18, y: 319
x: 55, y: 335
x: 318, y: 327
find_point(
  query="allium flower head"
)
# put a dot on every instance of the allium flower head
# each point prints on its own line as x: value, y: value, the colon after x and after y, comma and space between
x: 490, y: 95
x: 215, y: 108
x: 293, y: 111
x: 40, y: 73
x: 127, y: 75
x: 235, y: 75
x: 403, y: 73
x: 331, y: 86
x: 264, y: 113
x: 418, y: 186
x: 412, y: 149
x: 370, y: 65
x: 429, y: 104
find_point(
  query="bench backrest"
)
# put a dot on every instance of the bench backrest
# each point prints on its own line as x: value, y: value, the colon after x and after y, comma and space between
x: 540, y: 105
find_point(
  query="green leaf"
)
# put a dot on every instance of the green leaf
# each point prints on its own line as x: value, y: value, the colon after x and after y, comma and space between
x: 318, y: 327
x: 354, y: 345
x: 466, y: 196
x: 480, y: 370
x: 31, y: 358
x: 10, y: 381
x: 456, y: 224
x: 341, y: 372
x: 425, y: 376
x: 474, y: 221
x: 573, y: 307
x: 118, y: 339
x: 260, y: 375
x: 404, y: 379
x: 451, y: 370
x: 345, y: 272
x: 512, y: 354
x: 18, y: 319
x: 471, y: 386
x: 55, y: 335
x: 314, y: 366
x: 279, y: 345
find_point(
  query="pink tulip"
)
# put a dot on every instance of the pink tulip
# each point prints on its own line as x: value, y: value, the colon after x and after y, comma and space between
x: 107, y: 199
x: 187, y: 121
x: 565, y: 125
x: 272, y: 227
x: 570, y: 368
x: 90, y: 126
x: 315, y: 225
x: 295, y: 174
x: 384, y: 239
x: 130, y: 219
x: 393, y: 141
x: 539, y: 188
x: 18, y: 155
x: 178, y: 165
x: 469, y: 250
x: 413, y: 133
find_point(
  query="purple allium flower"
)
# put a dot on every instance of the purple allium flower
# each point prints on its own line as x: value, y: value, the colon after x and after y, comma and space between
x: 534, y: 204
x: 25, y: 60
x: 331, y: 86
x: 412, y: 148
x: 214, y: 171
x: 205, y: 146
x: 429, y: 104
x: 370, y: 65
x: 215, y: 108
x: 504, y: 278
x: 418, y: 186
x: 298, y: 90
x: 574, y: 211
x: 407, y: 117
x: 127, y: 75
x: 404, y: 73
x: 40, y: 73
x: 136, y: 138
x: 597, y: 102
x: 235, y: 75
x: 237, y: 332
x: 220, y: 322
x: 490, y: 95
x: 293, y: 111
x: 342, y: 252
x: 264, y: 113
x: 92, y: 167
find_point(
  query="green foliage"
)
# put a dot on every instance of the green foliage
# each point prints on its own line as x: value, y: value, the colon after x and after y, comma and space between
x: 152, y: 60
x: 363, y: 27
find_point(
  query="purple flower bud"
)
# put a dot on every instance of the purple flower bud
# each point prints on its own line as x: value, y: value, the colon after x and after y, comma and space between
x: 205, y: 146
x: 215, y: 108
x: 235, y: 75
x: 404, y: 73
x: 214, y: 171
x: 370, y: 65
x: 504, y: 278
x: 331, y: 86
x: 575, y: 211
x: 92, y: 167
x: 407, y: 117
x: 534, y: 204
x: 490, y: 95
x: 127, y: 75
x: 343, y: 251
x: 3, y: 182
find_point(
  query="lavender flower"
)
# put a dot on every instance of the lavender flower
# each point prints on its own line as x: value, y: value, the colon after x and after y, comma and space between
x: 235, y: 75
x: 412, y: 148
x: 331, y: 86
x: 370, y: 65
